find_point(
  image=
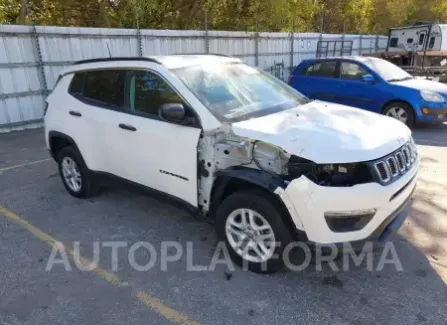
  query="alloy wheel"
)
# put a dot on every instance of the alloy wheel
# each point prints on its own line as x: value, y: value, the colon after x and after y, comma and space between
x: 71, y: 174
x: 398, y: 113
x: 250, y: 235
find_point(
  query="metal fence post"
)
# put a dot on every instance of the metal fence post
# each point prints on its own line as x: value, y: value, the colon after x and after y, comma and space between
x: 207, y: 38
x: 377, y: 44
x: 257, y: 45
x: 361, y: 40
x: 140, y: 45
x: 343, y: 39
x: 292, y: 41
x: 320, y: 39
x: 38, y: 56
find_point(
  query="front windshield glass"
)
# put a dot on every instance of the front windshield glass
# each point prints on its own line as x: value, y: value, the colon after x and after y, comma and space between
x: 387, y: 70
x: 235, y: 92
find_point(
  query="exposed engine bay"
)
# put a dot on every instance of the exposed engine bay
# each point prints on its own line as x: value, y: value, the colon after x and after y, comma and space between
x: 223, y: 150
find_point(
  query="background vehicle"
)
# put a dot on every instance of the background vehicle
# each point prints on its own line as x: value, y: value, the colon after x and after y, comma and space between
x: 422, y: 36
x: 372, y: 84
x: 420, y: 49
x: 235, y: 144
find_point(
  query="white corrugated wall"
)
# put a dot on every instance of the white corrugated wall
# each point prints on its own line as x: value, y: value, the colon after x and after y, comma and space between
x: 23, y: 87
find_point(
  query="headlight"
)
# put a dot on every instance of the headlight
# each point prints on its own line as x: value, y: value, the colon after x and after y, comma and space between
x: 431, y: 96
x: 413, y: 148
x: 339, y: 175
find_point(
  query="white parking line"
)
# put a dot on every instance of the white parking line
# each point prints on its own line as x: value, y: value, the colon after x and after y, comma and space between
x: 23, y: 165
x: 151, y: 302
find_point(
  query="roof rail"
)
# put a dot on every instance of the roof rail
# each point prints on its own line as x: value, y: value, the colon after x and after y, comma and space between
x: 216, y: 54
x: 133, y: 58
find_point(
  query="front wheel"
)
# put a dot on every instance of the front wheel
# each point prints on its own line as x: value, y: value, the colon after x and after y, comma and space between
x: 400, y: 111
x: 251, y: 225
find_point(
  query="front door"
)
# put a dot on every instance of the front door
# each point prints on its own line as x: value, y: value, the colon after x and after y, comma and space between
x: 353, y: 91
x: 160, y: 154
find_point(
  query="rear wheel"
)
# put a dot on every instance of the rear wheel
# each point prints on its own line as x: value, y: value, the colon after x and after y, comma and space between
x: 77, y: 178
x: 251, y: 225
x: 400, y: 111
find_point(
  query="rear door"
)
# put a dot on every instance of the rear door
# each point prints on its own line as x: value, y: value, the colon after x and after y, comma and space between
x: 103, y: 97
x: 96, y: 101
x: 318, y: 80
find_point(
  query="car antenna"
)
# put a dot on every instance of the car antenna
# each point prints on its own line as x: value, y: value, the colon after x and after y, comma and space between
x: 108, y: 49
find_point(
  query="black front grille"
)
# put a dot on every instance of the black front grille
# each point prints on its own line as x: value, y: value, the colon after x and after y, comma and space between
x: 396, y: 164
x: 400, y: 161
x: 393, y: 165
x: 381, y: 167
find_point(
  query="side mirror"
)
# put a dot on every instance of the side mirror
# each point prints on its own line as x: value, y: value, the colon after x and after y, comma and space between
x: 172, y: 112
x: 368, y: 78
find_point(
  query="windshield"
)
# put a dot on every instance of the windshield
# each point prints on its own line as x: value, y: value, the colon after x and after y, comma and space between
x: 387, y: 70
x: 235, y: 92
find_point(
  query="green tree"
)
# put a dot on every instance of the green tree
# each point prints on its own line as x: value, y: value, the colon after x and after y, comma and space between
x: 332, y: 16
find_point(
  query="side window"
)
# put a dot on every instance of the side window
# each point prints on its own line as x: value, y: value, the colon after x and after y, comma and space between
x: 148, y: 92
x: 105, y: 87
x: 409, y: 41
x: 421, y: 38
x: 351, y: 71
x: 432, y: 42
x: 76, y: 85
x: 322, y: 69
x: 394, y: 41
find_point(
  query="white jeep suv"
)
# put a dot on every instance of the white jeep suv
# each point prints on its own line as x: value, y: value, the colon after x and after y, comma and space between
x: 235, y: 144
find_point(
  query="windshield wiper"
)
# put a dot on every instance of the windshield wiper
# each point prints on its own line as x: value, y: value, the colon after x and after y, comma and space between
x: 400, y: 79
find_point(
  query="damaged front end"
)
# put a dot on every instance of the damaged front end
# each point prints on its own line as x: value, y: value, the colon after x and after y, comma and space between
x: 223, y: 150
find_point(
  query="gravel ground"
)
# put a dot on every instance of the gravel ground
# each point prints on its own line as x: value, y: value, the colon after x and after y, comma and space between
x: 31, y: 295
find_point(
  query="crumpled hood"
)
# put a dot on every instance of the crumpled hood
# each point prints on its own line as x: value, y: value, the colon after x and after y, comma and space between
x: 327, y: 133
x: 422, y: 84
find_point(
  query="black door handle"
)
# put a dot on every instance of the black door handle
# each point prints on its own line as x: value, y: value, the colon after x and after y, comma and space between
x: 127, y: 127
x: 75, y: 113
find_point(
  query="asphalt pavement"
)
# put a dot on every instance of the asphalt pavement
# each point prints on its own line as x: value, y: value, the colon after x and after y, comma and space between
x: 36, y: 212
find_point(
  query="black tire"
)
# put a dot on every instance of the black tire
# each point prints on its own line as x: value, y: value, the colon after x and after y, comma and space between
x: 266, y: 205
x: 89, y: 185
x: 407, y: 108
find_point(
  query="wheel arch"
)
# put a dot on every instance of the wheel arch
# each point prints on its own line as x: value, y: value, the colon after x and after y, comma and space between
x: 391, y: 101
x: 242, y: 178
x: 57, y: 141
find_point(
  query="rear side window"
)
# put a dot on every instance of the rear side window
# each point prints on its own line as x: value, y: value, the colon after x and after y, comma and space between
x: 393, y: 41
x: 322, y: 69
x: 76, y: 85
x: 105, y: 87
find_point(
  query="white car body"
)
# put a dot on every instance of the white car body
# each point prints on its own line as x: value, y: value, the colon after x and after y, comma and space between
x: 165, y: 156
